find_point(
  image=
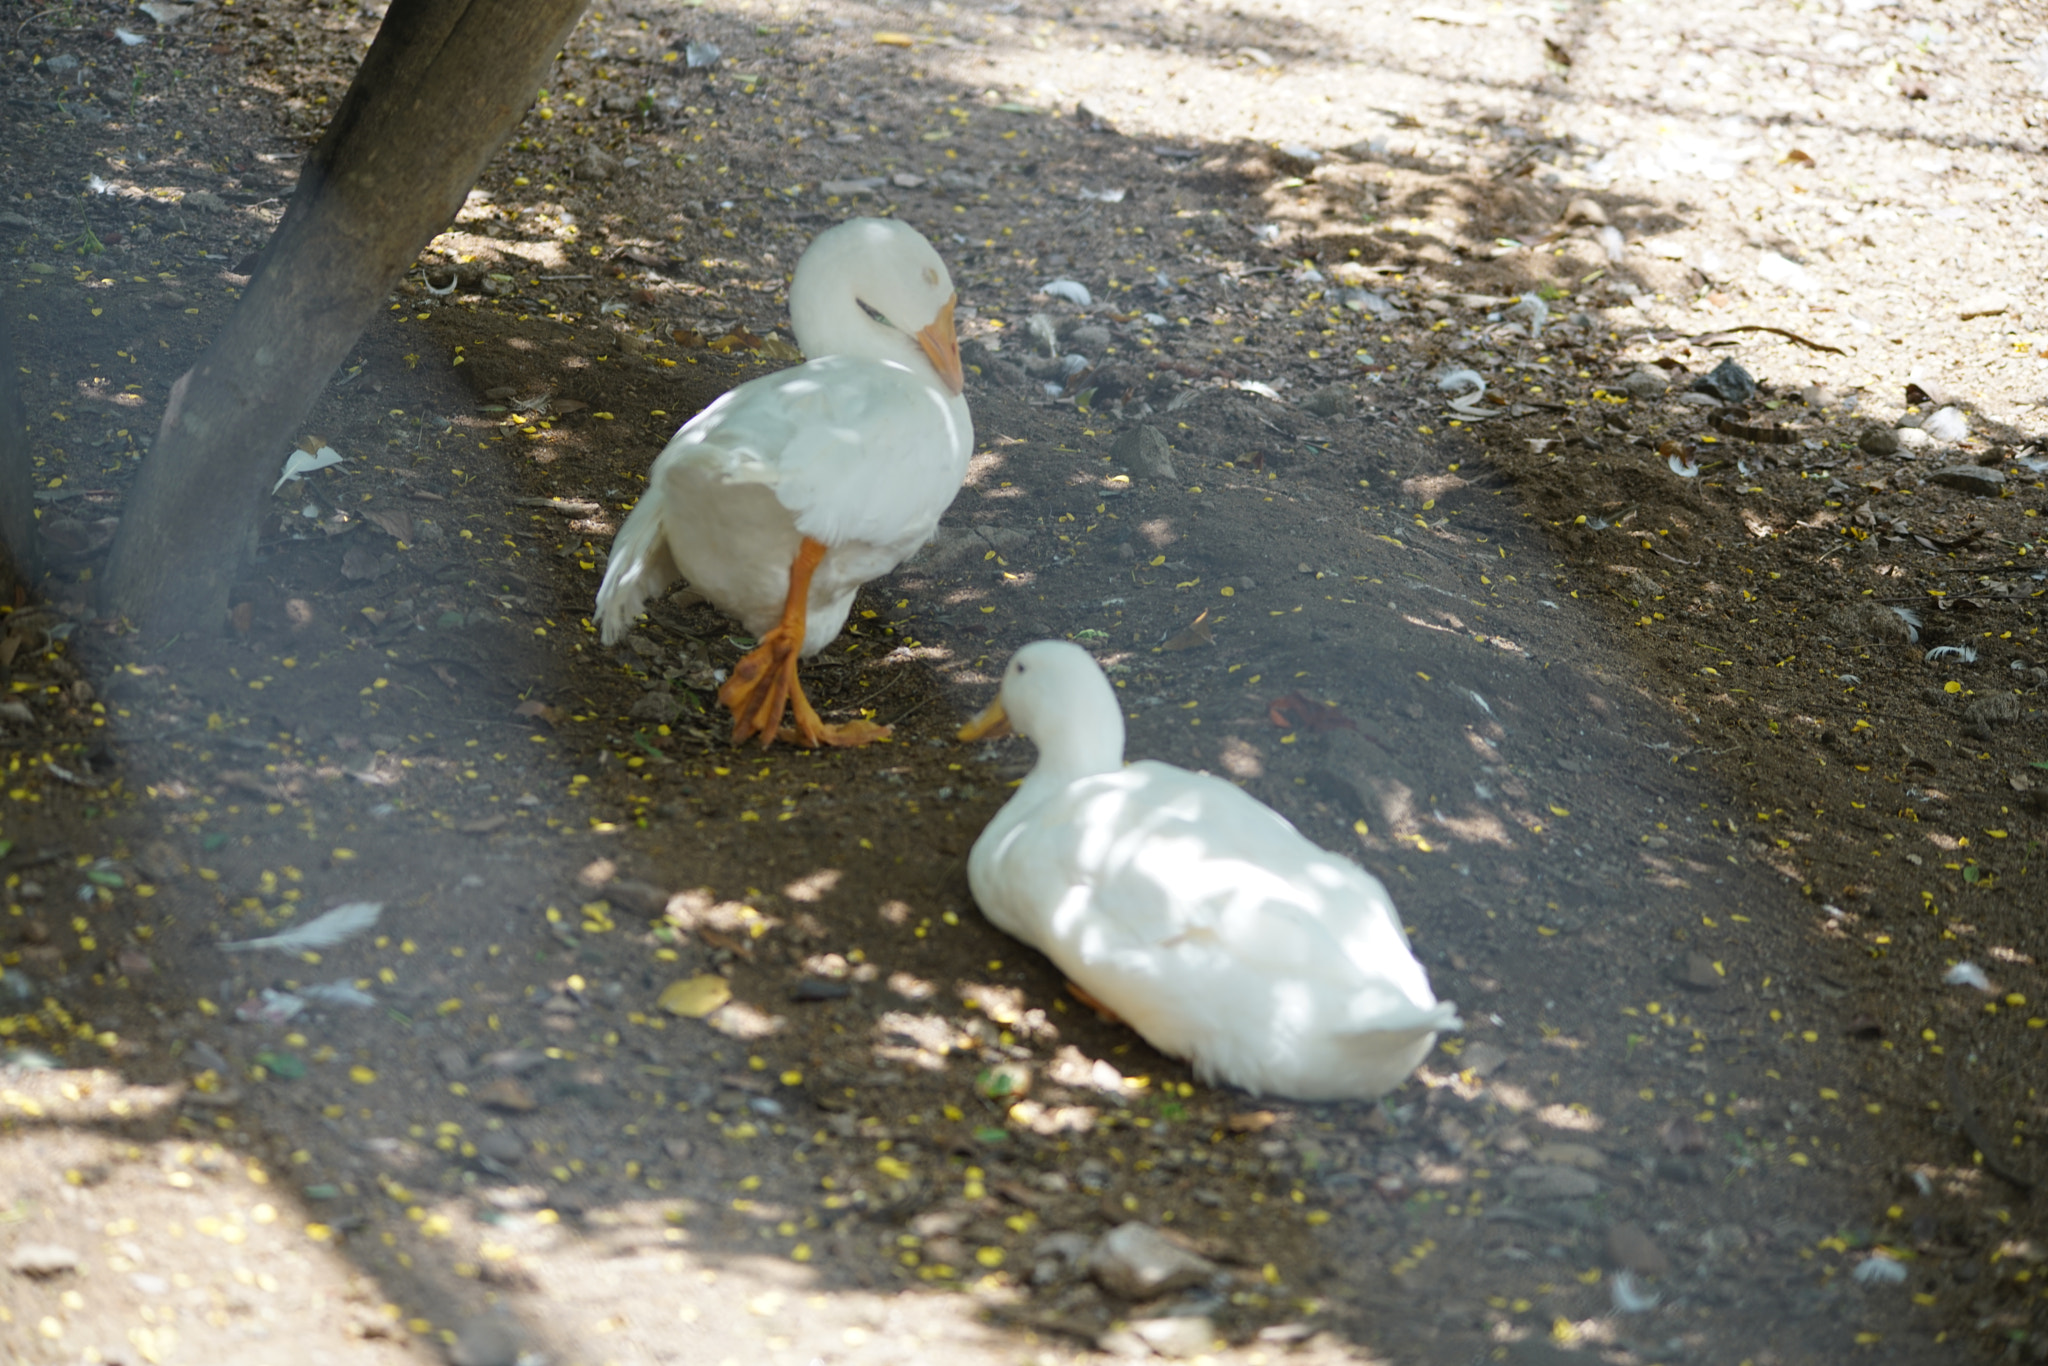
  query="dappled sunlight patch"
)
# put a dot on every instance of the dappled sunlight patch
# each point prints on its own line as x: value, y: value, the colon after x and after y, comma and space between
x: 813, y: 887
x: 1477, y: 827
x: 1571, y: 1118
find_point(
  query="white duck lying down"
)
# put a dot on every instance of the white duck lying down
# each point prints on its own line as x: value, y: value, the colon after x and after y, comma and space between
x: 782, y: 498
x: 1191, y: 910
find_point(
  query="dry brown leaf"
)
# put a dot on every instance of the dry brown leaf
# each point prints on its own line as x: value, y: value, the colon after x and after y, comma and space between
x: 536, y: 708
x: 1298, y: 711
x: 739, y: 339
x: 504, y: 1093
x: 1251, y: 1121
x: 362, y: 563
x: 396, y: 521
x: 1197, y: 632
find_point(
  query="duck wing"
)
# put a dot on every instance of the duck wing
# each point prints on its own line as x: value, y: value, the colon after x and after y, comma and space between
x: 854, y: 453
x: 857, y: 450
x: 1154, y: 860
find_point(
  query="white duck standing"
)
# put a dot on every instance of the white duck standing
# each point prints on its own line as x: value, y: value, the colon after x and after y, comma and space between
x: 782, y: 498
x: 1191, y: 910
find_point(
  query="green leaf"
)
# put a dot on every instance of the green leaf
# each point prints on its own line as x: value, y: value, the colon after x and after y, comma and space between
x: 104, y: 877
x: 322, y: 1192
x: 286, y: 1066
x: 6, y: 848
x: 990, y: 1134
x: 213, y: 842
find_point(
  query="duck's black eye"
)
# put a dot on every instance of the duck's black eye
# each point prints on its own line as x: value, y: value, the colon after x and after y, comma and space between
x: 873, y: 312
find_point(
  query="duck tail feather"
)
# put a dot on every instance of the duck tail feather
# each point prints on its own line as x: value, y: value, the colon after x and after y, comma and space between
x: 640, y: 567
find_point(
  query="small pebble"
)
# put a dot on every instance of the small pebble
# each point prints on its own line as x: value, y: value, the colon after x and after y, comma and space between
x: 1138, y: 1262
x: 1541, y: 1182
x: 1728, y: 382
x: 1983, y: 306
x: 1144, y: 452
x: 1179, y: 1338
x: 1697, y: 972
x: 1970, y: 479
x: 660, y: 706
x: 1912, y: 438
x: 486, y: 1341
x: 1090, y: 339
x: 1645, y: 382
x: 501, y: 1145
x: 1332, y: 400
x: 41, y: 1260
x: 1878, y: 441
x: 1947, y: 424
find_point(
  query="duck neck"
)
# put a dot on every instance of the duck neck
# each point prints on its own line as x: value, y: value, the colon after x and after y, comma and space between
x: 1088, y: 741
x: 825, y: 314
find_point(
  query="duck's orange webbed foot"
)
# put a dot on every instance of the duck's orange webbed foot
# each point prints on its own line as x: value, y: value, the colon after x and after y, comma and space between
x: 764, y: 684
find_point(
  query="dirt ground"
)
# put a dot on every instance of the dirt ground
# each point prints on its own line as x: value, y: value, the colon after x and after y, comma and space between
x: 1698, y: 733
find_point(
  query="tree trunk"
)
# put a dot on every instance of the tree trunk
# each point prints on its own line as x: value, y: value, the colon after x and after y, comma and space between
x: 17, y: 483
x: 439, y: 90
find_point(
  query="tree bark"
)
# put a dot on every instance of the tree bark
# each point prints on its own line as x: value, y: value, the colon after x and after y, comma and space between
x: 17, y: 483
x: 441, y: 87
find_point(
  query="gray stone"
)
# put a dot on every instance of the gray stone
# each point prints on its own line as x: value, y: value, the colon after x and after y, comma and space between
x: 1970, y: 479
x: 1878, y: 441
x: 42, y: 1260
x: 1138, y: 1262
x: 206, y: 201
x: 1696, y: 972
x: 1645, y: 382
x: 1144, y: 452
x: 1912, y: 438
x: 660, y: 706
x: 1090, y: 339
x: 1727, y: 382
x: 1544, y: 1182
x: 1177, y: 1337
x: 1983, y: 306
x: 501, y: 1145
x: 1585, y: 210
x: 2000, y: 707
x: 1332, y: 400
x: 1947, y: 424
x: 489, y: 1340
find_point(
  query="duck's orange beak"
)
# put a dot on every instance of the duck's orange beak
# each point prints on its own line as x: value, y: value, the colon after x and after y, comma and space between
x: 992, y: 724
x: 942, y: 347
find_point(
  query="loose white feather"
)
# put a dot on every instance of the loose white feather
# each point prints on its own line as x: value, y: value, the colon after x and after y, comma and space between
x: 324, y: 931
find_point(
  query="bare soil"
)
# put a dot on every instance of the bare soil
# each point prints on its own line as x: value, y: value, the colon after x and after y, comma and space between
x: 1605, y: 682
